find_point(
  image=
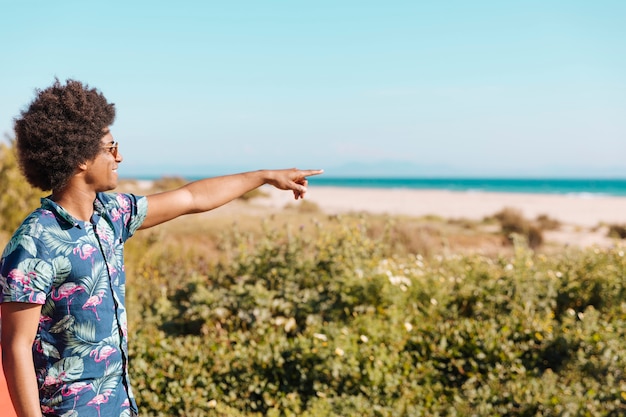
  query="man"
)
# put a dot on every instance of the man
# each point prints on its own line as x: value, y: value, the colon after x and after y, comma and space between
x: 64, y: 335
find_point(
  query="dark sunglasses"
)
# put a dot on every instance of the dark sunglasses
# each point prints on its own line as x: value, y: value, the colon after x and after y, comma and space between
x: 113, y: 149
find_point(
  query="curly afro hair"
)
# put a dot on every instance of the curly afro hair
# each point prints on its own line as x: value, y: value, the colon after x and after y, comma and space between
x: 61, y: 129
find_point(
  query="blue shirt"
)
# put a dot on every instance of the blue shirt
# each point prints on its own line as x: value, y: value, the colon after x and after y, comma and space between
x: 75, y: 270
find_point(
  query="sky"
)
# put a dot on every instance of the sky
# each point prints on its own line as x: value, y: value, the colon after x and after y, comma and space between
x: 360, y: 88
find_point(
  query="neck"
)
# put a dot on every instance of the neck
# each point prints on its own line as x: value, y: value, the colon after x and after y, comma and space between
x: 76, y: 201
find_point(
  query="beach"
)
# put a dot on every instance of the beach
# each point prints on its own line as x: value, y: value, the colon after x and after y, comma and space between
x: 583, y: 218
x: 586, y: 211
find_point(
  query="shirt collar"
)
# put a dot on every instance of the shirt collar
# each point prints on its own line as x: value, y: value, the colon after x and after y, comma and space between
x: 61, y: 213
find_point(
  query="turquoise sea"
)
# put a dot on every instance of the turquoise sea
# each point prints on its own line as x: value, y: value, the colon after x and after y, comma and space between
x: 582, y: 187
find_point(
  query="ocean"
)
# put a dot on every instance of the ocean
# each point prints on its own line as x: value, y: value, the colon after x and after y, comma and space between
x: 579, y: 187
x: 582, y: 187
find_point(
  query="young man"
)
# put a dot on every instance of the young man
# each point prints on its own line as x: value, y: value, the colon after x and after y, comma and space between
x: 62, y: 280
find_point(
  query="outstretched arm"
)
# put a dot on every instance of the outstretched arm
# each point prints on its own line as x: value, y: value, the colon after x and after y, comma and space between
x: 210, y: 193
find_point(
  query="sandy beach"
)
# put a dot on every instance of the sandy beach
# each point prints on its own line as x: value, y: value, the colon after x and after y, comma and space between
x: 583, y: 218
x: 575, y: 210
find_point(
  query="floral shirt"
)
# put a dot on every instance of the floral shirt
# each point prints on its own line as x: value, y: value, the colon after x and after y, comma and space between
x: 75, y: 270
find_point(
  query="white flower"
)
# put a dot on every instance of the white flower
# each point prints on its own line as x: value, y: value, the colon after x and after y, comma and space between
x: 364, y: 338
x: 408, y: 326
x: 290, y: 325
x: 212, y: 404
x: 320, y: 336
x: 399, y: 280
x: 339, y: 352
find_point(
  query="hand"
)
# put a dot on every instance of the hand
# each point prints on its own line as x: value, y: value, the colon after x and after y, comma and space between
x: 292, y: 179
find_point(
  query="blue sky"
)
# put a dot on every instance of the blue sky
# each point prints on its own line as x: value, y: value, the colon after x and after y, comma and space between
x: 455, y: 88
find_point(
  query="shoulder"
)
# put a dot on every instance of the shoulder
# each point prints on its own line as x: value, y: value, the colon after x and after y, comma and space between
x: 121, y: 201
x: 30, y: 231
x: 128, y: 210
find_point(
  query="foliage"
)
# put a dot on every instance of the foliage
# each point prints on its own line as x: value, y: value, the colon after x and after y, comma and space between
x: 323, y: 320
x: 17, y: 197
x: 167, y: 183
x: 513, y: 222
x: 256, y: 193
x: 546, y: 222
x: 617, y: 231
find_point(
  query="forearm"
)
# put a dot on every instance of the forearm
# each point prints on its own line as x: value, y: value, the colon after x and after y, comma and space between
x: 210, y: 193
x: 19, y: 371
x: 207, y: 194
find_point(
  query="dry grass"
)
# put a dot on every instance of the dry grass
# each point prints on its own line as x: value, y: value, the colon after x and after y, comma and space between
x: 427, y: 236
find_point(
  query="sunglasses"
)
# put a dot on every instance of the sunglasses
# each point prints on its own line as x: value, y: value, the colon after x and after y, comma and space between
x: 113, y: 149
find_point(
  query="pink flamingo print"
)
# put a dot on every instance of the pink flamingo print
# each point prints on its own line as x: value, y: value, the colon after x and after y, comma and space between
x: 100, y: 399
x: 123, y: 202
x: 47, y: 409
x: 102, y: 234
x: 84, y: 251
x: 102, y: 354
x: 74, y: 389
x: 66, y: 291
x: 93, y: 302
x: 54, y: 380
x: 20, y: 277
x: 36, y: 297
x: 115, y: 214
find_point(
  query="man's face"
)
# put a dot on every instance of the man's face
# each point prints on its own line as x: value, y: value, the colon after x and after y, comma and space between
x: 102, y: 170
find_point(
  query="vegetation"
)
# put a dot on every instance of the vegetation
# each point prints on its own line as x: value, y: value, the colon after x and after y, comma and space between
x: 512, y: 223
x: 17, y: 198
x: 304, y: 314
x: 617, y: 231
x: 322, y: 319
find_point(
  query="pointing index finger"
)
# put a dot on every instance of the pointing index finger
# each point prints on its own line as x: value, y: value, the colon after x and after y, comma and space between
x: 311, y: 172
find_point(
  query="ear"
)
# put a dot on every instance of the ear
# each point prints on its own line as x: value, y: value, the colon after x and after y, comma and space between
x: 82, y: 166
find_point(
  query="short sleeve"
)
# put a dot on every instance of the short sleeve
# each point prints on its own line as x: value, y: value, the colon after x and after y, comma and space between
x: 126, y: 212
x: 26, y: 275
x: 141, y: 210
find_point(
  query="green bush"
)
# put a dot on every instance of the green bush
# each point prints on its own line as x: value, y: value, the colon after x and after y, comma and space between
x: 323, y: 321
x: 617, y: 231
x: 512, y: 222
x: 17, y: 197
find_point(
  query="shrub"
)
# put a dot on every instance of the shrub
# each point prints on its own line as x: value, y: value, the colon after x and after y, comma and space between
x: 545, y: 222
x: 512, y: 222
x: 167, y: 183
x: 17, y: 197
x: 330, y: 323
x: 617, y: 231
x: 256, y: 193
x: 304, y: 206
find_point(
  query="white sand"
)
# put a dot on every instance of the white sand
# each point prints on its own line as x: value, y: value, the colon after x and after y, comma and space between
x: 582, y: 211
x: 580, y: 216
